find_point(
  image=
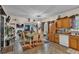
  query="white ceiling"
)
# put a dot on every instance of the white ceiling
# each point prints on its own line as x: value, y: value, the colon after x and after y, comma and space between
x: 37, y: 12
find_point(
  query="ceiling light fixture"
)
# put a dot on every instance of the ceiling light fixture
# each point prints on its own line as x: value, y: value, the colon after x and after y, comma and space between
x: 38, y: 16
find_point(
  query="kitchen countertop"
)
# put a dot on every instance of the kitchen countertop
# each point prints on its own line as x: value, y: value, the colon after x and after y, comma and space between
x: 67, y: 34
x: 74, y: 35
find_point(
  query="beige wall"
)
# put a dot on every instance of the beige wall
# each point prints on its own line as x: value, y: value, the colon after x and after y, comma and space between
x: 20, y: 20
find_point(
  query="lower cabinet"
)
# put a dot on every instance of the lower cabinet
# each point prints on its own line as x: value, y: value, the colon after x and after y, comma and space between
x: 73, y: 42
x: 78, y: 46
x: 56, y: 39
x: 50, y: 37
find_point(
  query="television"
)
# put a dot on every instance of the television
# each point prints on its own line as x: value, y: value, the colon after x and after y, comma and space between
x: 27, y: 27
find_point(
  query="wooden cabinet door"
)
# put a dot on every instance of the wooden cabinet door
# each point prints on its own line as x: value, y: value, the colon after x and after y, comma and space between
x: 53, y: 31
x: 78, y: 43
x: 56, y: 39
x: 66, y: 23
x: 59, y: 23
x: 73, y: 42
x: 53, y: 28
x: 78, y: 46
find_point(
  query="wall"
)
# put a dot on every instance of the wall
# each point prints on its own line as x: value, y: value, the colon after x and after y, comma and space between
x: 46, y: 27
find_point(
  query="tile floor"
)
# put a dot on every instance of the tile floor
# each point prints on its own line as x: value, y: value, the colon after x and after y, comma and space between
x: 48, y: 48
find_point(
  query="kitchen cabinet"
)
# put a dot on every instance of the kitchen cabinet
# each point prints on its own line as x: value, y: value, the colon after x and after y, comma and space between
x: 53, y: 27
x: 56, y: 39
x: 59, y: 23
x: 53, y: 31
x: 66, y: 22
x: 78, y: 45
x: 73, y: 42
x: 53, y: 38
x: 50, y: 36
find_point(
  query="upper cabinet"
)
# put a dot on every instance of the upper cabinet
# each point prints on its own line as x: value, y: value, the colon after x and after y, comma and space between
x: 53, y: 27
x: 59, y: 23
x: 64, y: 22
